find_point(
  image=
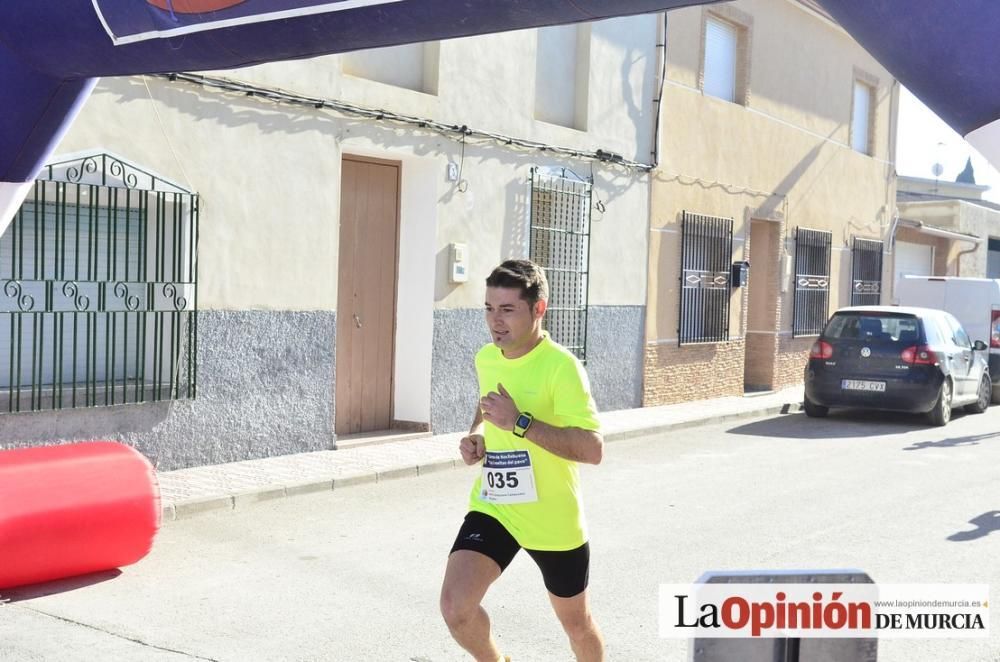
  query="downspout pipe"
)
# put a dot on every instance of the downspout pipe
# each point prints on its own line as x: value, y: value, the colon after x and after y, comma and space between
x: 661, y: 49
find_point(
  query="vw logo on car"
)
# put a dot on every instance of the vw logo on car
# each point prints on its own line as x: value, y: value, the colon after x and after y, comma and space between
x: 866, y: 352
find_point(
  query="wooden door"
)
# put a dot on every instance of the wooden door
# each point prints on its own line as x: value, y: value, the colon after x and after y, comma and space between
x: 366, y: 297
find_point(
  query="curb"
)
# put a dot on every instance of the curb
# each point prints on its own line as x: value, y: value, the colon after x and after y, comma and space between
x: 188, y: 508
x: 622, y: 435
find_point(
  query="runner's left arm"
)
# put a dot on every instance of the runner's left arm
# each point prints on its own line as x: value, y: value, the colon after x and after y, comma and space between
x: 571, y: 443
x: 574, y: 444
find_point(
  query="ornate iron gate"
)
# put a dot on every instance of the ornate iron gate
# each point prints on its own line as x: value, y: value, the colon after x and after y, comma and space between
x: 560, y: 243
x: 706, y: 282
x: 812, y: 281
x: 866, y: 272
x: 99, y: 277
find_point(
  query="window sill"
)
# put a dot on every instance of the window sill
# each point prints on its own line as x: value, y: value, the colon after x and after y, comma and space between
x: 49, y: 398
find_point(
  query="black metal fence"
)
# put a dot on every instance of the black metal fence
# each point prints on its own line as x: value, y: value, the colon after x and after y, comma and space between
x: 706, y: 284
x: 866, y: 272
x: 99, y: 290
x: 812, y: 281
x: 560, y: 243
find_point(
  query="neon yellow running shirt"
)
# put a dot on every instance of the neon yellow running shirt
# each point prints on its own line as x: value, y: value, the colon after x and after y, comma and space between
x: 551, y: 384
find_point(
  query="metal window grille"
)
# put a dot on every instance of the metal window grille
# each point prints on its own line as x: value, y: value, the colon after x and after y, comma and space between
x: 560, y: 243
x: 99, y: 289
x: 706, y: 282
x: 866, y: 272
x: 812, y: 281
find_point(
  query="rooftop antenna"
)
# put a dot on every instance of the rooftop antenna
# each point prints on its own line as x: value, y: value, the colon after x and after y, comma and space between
x: 937, y: 168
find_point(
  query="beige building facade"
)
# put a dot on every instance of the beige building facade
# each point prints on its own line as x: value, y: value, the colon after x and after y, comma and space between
x: 777, y: 142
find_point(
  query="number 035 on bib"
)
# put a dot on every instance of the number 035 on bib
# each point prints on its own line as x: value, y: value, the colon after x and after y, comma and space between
x: 508, y: 477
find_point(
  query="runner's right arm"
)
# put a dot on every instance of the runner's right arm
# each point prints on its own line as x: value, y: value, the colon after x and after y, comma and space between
x: 473, y: 445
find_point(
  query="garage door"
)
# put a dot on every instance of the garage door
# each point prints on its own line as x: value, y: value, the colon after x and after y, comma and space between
x: 913, y: 260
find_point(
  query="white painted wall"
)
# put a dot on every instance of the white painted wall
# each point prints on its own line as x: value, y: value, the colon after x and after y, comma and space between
x: 269, y: 174
x: 415, y: 293
x: 411, y: 66
x: 562, y: 72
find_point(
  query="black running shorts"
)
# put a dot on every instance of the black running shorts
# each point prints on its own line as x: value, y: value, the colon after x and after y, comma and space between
x: 565, y: 573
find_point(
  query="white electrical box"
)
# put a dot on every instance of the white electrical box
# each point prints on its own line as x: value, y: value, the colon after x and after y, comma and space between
x: 459, y: 263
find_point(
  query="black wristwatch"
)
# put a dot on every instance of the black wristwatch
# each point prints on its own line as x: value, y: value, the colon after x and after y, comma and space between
x: 523, y: 422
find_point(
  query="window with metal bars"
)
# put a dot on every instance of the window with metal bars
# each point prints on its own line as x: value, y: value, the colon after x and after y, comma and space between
x: 866, y: 272
x: 706, y: 283
x: 812, y: 281
x: 559, y: 242
x: 98, y: 272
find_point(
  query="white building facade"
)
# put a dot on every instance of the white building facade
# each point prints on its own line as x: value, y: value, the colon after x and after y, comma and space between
x: 336, y: 221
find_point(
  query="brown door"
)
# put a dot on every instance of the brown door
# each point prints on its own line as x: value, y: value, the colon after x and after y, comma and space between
x: 762, y: 306
x: 366, y: 298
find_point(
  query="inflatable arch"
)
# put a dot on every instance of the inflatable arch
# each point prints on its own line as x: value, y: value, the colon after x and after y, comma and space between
x: 51, y: 51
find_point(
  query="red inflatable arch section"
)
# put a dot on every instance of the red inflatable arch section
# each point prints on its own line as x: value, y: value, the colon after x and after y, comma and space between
x: 74, y: 509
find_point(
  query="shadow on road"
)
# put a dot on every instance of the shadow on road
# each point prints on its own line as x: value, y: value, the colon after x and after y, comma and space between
x: 839, y: 424
x: 985, y: 524
x: 33, y: 591
x: 970, y: 440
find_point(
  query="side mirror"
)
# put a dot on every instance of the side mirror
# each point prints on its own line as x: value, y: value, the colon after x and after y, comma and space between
x: 979, y: 346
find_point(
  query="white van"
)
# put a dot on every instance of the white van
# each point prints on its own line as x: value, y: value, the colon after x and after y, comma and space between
x: 975, y: 302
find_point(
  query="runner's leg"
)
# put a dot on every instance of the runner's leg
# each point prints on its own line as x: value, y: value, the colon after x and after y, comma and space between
x: 566, y: 575
x: 577, y: 621
x: 483, y: 549
x: 466, y: 580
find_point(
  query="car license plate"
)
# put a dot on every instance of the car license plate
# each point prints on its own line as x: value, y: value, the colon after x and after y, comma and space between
x: 861, y: 385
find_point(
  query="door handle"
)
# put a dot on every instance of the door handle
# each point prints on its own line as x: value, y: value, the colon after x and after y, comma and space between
x: 357, y: 320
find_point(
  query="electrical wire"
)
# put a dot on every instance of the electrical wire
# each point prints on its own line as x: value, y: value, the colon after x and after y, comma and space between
x: 462, y: 184
x: 659, y: 96
x: 447, y: 130
x: 728, y: 188
x: 170, y: 143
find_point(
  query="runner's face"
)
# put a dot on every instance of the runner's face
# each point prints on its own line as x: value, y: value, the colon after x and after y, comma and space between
x: 514, y: 327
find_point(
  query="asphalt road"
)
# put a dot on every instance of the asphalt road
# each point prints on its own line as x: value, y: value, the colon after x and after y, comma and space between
x: 354, y: 575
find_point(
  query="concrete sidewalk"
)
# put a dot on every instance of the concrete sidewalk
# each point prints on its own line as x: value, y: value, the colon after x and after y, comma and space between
x: 187, y: 492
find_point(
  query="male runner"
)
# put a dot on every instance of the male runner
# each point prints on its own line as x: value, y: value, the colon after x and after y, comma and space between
x: 535, y: 421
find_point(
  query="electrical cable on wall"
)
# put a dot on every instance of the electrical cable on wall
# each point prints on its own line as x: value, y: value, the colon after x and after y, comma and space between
x: 462, y: 185
x: 170, y: 144
x: 662, y: 48
x: 732, y: 189
x: 446, y: 130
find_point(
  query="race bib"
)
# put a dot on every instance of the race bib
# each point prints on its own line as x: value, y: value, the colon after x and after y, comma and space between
x: 508, y: 478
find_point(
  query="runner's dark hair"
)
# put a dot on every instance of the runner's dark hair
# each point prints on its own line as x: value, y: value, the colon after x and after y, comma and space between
x: 522, y: 275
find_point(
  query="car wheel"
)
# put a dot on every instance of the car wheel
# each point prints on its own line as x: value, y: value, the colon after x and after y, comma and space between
x: 814, y: 410
x: 941, y: 413
x: 985, y: 394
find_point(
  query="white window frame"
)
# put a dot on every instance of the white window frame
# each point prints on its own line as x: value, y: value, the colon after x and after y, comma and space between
x: 861, y: 117
x: 722, y: 47
x: 740, y: 26
x: 862, y: 120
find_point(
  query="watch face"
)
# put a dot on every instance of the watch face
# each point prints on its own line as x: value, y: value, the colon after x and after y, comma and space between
x: 523, y: 421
